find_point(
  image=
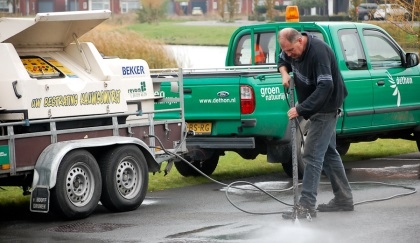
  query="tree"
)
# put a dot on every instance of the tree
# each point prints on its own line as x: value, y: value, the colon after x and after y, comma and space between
x: 221, y: 8
x: 270, y: 9
x: 231, y: 7
x: 353, y: 9
x: 151, y: 11
x: 407, y: 24
x: 255, y: 9
x: 307, y: 4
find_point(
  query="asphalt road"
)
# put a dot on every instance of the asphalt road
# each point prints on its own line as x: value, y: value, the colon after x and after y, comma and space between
x: 203, y: 214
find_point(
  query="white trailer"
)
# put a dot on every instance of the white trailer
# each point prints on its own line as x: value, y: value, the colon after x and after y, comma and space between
x: 78, y: 128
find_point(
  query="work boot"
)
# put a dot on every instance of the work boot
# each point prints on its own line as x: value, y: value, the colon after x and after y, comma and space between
x: 301, y: 213
x: 334, y: 206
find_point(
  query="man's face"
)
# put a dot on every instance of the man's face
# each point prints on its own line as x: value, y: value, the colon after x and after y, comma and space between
x: 293, y: 50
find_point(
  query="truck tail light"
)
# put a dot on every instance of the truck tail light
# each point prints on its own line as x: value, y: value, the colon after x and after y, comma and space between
x: 247, y: 99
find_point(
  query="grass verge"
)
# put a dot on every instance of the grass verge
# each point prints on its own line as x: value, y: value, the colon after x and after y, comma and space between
x: 177, y: 33
x: 180, y: 34
x: 379, y: 149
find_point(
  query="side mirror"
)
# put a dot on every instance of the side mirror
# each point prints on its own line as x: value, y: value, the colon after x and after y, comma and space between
x: 411, y: 60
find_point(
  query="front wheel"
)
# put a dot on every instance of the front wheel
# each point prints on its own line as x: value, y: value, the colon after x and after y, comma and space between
x: 125, y: 178
x: 417, y: 137
x: 301, y: 133
x: 78, y: 188
x: 207, y: 166
x: 342, y: 148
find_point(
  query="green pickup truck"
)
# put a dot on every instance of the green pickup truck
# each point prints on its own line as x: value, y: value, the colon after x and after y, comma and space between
x: 243, y: 106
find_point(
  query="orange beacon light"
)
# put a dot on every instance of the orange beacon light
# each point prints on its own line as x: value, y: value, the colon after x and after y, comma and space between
x: 292, y: 14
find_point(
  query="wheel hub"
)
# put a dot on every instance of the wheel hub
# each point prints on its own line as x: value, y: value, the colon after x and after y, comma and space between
x: 78, y: 185
x: 127, y: 178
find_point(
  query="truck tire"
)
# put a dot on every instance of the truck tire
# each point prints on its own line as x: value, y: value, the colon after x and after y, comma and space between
x: 207, y: 166
x: 78, y: 188
x: 300, y: 138
x: 417, y: 137
x: 125, y: 178
x: 343, y: 148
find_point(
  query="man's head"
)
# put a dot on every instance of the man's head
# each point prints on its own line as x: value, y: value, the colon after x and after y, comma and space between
x: 292, y: 42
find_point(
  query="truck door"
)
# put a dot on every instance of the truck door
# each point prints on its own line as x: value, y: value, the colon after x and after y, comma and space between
x: 358, y: 105
x: 394, y: 95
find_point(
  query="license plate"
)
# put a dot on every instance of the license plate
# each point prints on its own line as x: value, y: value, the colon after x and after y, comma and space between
x: 200, y: 128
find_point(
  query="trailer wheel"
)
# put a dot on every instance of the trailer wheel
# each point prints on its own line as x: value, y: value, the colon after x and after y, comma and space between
x: 300, y: 138
x: 207, y: 166
x: 78, y: 188
x: 125, y: 178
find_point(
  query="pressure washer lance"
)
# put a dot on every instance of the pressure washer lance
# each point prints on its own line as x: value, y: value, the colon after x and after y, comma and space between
x: 294, y: 151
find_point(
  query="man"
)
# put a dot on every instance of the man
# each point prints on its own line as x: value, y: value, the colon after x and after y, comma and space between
x: 320, y: 92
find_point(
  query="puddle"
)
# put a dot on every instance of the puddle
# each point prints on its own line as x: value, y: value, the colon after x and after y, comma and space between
x: 149, y: 202
x: 86, y: 227
x: 246, y: 233
x: 392, y: 172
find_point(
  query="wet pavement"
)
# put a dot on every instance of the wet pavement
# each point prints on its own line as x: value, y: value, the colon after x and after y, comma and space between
x: 203, y: 213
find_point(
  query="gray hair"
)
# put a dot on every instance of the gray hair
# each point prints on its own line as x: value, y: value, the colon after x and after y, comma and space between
x: 290, y: 34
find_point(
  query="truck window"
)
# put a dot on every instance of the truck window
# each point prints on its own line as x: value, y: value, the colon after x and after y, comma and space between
x: 316, y: 34
x: 264, y: 49
x: 383, y: 53
x: 243, y: 51
x: 352, y: 49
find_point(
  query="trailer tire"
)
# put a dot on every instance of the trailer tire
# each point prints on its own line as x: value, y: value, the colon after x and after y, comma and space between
x: 207, y: 166
x: 300, y: 138
x: 125, y: 178
x: 78, y: 188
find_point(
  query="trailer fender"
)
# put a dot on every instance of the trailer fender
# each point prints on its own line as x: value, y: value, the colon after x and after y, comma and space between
x: 45, y: 172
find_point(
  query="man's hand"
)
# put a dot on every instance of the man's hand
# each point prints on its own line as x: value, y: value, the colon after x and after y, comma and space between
x: 292, y: 113
x: 286, y: 80
x: 285, y: 76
